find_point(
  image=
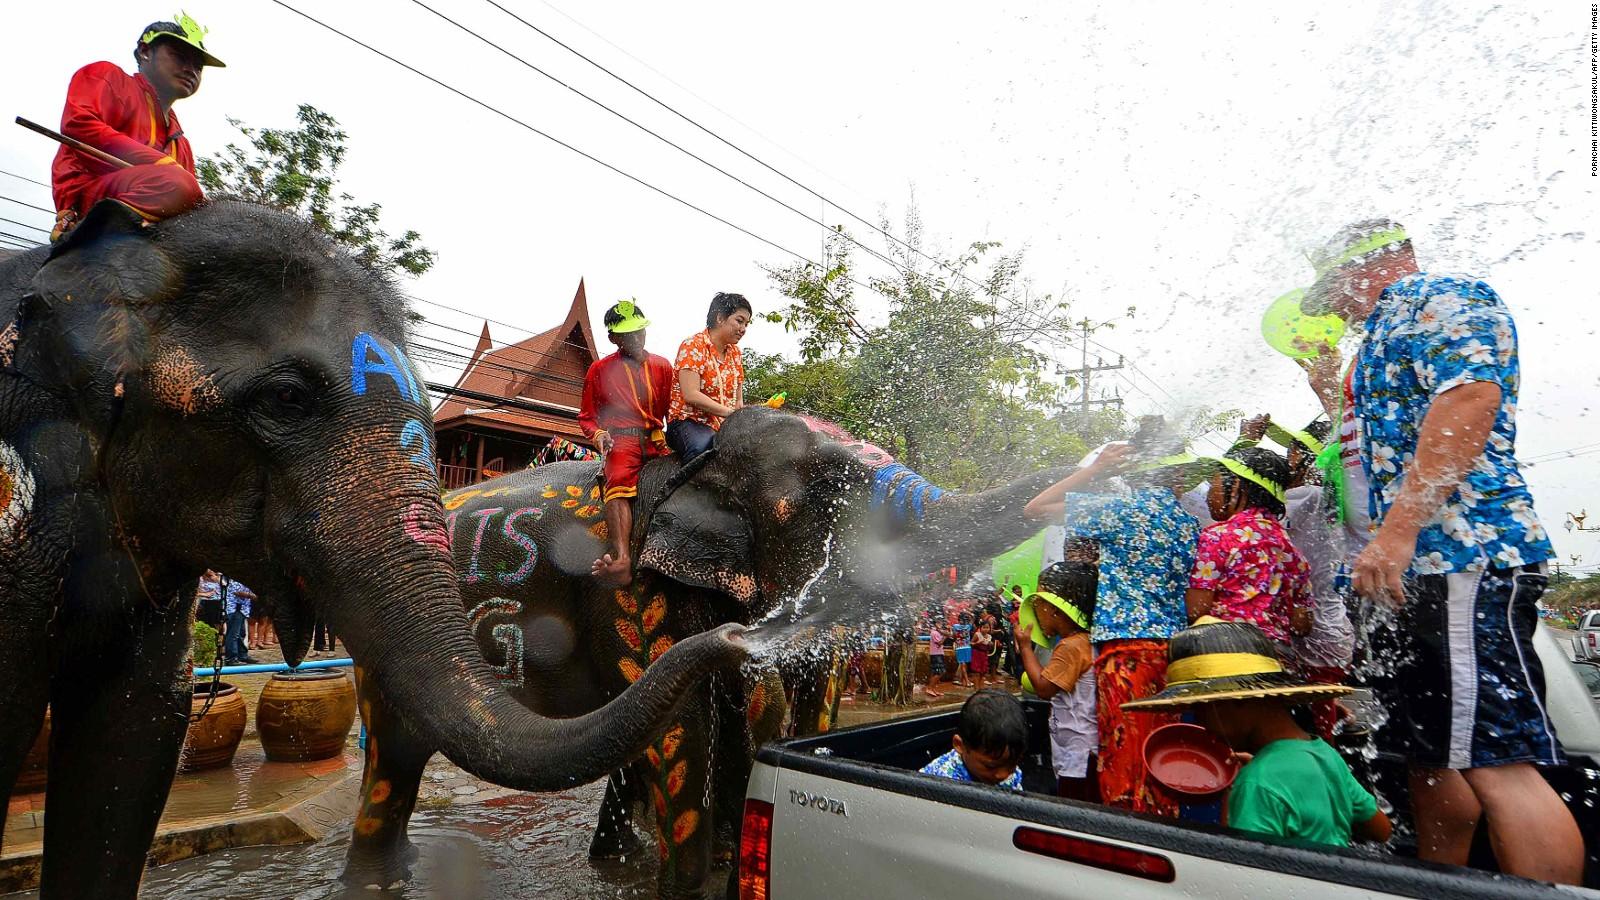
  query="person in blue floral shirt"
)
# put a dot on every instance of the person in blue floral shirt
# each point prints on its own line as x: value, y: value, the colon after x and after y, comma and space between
x: 1458, y: 549
x: 990, y: 741
x: 1147, y: 548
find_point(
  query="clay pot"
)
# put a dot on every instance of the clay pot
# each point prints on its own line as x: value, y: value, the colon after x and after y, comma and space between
x: 211, y: 741
x: 306, y: 715
x: 35, y: 767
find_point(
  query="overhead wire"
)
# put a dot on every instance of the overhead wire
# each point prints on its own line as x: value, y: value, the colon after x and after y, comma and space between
x: 647, y: 130
x: 25, y: 225
x: 24, y: 178
x: 42, y: 209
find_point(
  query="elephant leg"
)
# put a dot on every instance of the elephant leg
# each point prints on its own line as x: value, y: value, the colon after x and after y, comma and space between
x: 380, y: 853
x: 679, y: 769
x: 116, y: 728
x: 21, y: 715
x: 614, y: 837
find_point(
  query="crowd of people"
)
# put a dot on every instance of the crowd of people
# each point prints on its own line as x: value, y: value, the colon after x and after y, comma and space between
x: 1222, y: 589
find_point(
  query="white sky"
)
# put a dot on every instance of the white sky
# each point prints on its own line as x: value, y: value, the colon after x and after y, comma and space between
x: 1173, y: 157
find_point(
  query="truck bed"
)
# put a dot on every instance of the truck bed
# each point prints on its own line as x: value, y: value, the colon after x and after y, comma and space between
x: 851, y: 817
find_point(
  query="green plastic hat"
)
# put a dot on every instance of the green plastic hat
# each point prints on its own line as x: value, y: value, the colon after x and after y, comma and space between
x: 188, y: 31
x: 632, y: 320
x: 1295, y: 334
x: 1028, y: 617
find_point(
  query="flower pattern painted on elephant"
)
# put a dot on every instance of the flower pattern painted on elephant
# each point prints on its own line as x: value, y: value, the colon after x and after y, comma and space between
x: 16, y: 491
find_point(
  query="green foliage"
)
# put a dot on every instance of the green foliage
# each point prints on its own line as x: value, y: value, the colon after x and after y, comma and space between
x: 203, y: 652
x: 295, y: 170
x: 1570, y: 596
x: 956, y: 382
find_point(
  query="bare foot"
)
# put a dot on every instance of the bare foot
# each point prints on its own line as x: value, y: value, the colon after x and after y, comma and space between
x: 612, y: 571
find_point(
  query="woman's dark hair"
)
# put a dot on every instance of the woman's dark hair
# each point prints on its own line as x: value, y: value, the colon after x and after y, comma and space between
x: 992, y: 722
x: 1320, y: 429
x: 1268, y: 465
x: 1077, y: 583
x: 725, y: 305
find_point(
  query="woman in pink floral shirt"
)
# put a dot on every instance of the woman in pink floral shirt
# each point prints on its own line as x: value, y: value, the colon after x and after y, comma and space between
x: 1246, y: 569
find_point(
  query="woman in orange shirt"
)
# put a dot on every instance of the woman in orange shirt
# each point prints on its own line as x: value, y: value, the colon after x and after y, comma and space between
x: 710, y: 382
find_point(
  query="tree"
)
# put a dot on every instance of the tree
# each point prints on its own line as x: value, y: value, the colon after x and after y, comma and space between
x: 955, y: 383
x: 295, y: 170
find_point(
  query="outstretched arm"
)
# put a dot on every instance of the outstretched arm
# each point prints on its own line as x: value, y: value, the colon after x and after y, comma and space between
x: 1051, y: 504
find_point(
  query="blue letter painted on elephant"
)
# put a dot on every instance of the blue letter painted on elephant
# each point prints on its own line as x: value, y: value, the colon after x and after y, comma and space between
x: 525, y: 542
x: 414, y: 432
x: 395, y: 365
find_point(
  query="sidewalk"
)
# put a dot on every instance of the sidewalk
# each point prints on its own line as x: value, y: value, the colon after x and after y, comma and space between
x: 251, y: 802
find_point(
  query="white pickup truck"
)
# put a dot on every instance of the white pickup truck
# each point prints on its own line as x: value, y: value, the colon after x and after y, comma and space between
x: 1586, y: 640
x: 846, y: 815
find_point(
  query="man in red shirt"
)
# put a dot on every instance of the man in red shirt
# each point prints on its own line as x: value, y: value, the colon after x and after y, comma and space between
x: 130, y: 117
x: 625, y: 399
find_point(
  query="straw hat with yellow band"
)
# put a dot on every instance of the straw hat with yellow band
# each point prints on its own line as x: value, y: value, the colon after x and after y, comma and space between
x: 1215, y: 660
x: 630, y: 319
x: 184, y: 29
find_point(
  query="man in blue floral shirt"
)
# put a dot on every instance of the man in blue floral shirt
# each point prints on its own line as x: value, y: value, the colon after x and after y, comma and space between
x: 1458, y: 549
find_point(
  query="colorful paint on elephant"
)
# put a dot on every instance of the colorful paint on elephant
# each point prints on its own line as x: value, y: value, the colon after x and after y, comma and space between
x: 16, y: 491
x: 484, y: 531
x: 906, y: 493
x: 507, y: 635
x: 641, y: 612
x: 176, y: 382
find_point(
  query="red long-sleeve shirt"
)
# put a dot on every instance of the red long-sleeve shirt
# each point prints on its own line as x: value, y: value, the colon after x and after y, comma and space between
x: 113, y: 111
x: 620, y: 393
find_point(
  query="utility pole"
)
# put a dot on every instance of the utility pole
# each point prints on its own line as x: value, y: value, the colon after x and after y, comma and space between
x: 1086, y: 371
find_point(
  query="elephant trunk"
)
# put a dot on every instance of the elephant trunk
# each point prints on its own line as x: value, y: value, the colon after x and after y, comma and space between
x: 447, y: 693
x: 379, y: 562
x: 957, y: 529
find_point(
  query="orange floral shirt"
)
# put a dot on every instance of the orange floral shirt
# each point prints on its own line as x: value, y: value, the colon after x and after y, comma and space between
x: 721, y: 378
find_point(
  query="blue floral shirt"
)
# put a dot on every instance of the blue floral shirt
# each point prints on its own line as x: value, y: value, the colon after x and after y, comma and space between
x: 1429, y: 334
x: 1147, y: 547
x: 951, y: 766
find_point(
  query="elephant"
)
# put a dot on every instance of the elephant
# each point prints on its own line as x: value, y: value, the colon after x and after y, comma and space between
x: 783, y: 512
x: 229, y: 389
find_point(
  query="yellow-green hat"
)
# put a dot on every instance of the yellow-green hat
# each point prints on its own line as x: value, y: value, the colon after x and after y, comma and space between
x: 1027, y: 617
x: 624, y: 317
x: 185, y: 29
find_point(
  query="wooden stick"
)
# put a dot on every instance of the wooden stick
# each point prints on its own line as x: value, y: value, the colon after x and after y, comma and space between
x: 74, y: 143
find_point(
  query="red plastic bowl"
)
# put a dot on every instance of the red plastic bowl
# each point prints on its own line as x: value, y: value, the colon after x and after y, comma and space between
x: 1190, y: 761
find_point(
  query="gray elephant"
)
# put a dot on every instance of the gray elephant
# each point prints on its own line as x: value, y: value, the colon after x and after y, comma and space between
x: 788, y: 516
x: 228, y: 389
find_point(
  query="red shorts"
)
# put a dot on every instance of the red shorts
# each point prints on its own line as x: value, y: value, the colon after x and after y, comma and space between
x: 154, y: 191
x: 622, y: 465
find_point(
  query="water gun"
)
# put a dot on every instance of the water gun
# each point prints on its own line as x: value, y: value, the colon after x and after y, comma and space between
x: 777, y: 400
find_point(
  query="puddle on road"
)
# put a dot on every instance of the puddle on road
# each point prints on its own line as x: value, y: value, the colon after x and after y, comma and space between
x: 525, y: 845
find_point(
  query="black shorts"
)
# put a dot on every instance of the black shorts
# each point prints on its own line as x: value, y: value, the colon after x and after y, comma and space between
x: 1468, y: 689
x: 936, y: 664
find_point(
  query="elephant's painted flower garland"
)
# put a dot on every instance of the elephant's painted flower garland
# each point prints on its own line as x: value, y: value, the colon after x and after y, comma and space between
x: 635, y: 628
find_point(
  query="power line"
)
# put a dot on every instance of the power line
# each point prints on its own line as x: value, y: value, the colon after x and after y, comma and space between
x: 24, y: 178
x: 647, y: 130
x: 27, y: 242
x: 747, y: 154
x: 29, y: 205
x: 25, y: 225
x: 546, y: 135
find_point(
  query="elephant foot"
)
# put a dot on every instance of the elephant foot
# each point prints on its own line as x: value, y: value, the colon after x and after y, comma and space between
x: 380, y: 870
x: 614, y: 842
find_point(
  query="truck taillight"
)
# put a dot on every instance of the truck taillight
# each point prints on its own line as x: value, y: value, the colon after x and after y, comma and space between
x: 755, y: 851
x: 1111, y: 857
x: 1592, y: 641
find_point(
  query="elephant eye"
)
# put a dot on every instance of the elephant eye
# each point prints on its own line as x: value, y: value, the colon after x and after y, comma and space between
x: 285, y: 397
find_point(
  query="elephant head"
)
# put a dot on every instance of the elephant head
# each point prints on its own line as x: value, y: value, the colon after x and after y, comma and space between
x: 241, y: 398
x: 789, y: 507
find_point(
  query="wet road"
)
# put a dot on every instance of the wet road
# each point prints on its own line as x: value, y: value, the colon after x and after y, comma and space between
x: 523, y: 845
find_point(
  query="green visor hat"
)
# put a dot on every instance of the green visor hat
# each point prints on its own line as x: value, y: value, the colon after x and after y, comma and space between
x: 187, y: 31
x: 1286, y: 437
x: 1028, y: 616
x: 1317, y: 299
x: 632, y: 320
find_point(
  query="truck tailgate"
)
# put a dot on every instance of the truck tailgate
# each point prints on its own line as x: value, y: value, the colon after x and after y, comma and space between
x: 877, y: 832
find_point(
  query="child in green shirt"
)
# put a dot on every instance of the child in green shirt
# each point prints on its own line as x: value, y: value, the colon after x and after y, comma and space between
x: 1295, y: 786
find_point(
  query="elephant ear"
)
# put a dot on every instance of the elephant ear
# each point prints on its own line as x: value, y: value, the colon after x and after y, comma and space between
x: 85, y: 316
x: 698, y: 539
